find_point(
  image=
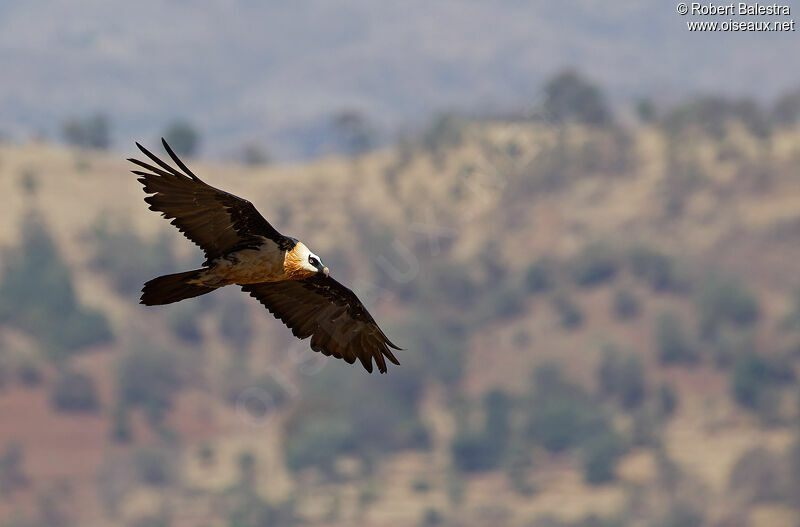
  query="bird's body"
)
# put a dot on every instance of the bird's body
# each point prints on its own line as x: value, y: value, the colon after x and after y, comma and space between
x: 242, y: 248
x: 265, y: 263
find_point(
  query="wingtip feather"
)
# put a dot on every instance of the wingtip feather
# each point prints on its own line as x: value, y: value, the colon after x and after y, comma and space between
x: 178, y: 160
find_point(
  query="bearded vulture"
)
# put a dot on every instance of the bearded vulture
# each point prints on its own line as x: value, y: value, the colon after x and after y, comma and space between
x: 242, y: 248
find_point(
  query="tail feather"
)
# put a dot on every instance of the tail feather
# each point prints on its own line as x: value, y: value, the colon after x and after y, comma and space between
x: 173, y: 288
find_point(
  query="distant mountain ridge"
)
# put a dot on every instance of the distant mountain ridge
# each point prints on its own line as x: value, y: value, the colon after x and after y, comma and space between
x: 274, y: 73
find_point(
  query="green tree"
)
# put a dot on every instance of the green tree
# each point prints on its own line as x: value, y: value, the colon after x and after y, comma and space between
x: 759, y: 476
x: 756, y: 382
x: 93, y: 131
x: 626, y: 304
x: 672, y: 342
x: 711, y: 114
x: 155, y: 466
x: 12, y: 475
x: 561, y: 415
x: 183, y: 137
x: 725, y: 300
x: 622, y: 376
x: 128, y: 258
x: 37, y: 296
x: 353, y: 131
x: 594, y: 264
x: 540, y: 276
x: 235, y: 324
x: 569, y: 312
x: 475, y: 451
x: 600, y: 457
x: 787, y: 108
x: 445, y: 131
x: 322, y: 428
x: 75, y: 392
x: 569, y: 96
x: 254, y: 155
x: 656, y: 268
x: 148, y: 377
x: 646, y: 110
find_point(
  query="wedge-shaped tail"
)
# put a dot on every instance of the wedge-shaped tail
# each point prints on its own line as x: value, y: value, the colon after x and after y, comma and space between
x: 173, y: 288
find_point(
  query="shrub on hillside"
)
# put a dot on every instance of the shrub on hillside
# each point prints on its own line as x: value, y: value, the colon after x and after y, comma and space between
x: 322, y: 428
x: 244, y: 507
x: 4, y: 371
x: 254, y: 155
x: 656, y: 268
x: 518, y: 464
x: 793, y: 465
x: 441, y: 340
x: 673, y: 343
x: 318, y: 442
x: 562, y: 415
x: 128, y: 258
x: 159, y: 520
x: 626, y: 304
x: 121, y: 428
x: 74, y: 392
x: 759, y: 476
x: 621, y: 376
x: 445, y: 131
x: 725, y: 300
x: 686, y: 175
x: 594, y: 264
x: 93, y: 131
x: 353, y: 132
x: 791, y: 322
x: 479, y: 450
x: 183, y: 137
x: 184, y: 321
x: 155, y: 466
x: 756, y: 382
x: 12, y: 474
x: 570, y: 97
x: 711, y: 114
x: 149, y: 378
x: 37, y: 296
x: 667, y: 401
x: 540, y: 276
x: 787, y: 108
x: 681, y: 516
x: 589, y: 521
x: 569, y: 313
x: 258, y: 393
x: 235, y: 324
x: 473, y: 451
x: 601, y: 454
x: 29, y: 372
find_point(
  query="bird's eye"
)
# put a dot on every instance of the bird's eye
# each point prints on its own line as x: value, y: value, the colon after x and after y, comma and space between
x: 312, y: 260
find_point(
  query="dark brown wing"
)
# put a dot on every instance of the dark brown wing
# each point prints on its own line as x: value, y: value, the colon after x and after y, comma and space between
x: 215, y: 220
x: 329, y: 313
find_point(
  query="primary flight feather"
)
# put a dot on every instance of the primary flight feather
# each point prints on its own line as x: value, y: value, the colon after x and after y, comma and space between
x: 242, y: 248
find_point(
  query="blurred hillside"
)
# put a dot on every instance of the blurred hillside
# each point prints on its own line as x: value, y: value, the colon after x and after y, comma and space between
x: 276, y: 73
x: 601, y: 323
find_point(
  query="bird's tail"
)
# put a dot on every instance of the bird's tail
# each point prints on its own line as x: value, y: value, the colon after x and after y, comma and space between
x: 173, y: 288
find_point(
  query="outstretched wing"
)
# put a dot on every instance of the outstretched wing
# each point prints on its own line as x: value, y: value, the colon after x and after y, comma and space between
x: 215, y: 220
x: 331, y: 314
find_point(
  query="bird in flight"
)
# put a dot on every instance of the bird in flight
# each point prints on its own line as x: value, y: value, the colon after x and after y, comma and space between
x: 242, y: 248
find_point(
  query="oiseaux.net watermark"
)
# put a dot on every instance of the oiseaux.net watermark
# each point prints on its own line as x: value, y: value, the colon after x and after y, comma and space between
x: 754, y: 16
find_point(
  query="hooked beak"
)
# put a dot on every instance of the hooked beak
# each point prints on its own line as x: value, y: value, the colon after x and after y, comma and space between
x: 325, y: 271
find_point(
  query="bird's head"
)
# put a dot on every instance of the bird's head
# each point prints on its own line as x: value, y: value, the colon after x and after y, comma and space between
x: 301, y: 263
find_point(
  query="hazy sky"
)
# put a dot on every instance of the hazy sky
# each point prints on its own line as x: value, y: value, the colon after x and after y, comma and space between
x: 274, y: 72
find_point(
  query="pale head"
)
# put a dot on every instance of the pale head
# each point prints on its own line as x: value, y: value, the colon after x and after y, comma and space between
x: 301, y: 263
